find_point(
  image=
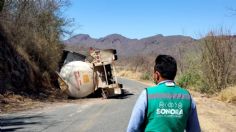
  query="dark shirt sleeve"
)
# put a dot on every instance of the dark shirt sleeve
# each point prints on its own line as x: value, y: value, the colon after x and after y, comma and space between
x: 193, y: 123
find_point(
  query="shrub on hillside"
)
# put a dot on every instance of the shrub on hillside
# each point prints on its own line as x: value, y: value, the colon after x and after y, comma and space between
x: 189, y: 79
x: 146, y: 76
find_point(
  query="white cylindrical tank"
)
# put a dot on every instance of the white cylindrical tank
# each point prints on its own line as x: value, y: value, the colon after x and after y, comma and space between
x: 79, y: 77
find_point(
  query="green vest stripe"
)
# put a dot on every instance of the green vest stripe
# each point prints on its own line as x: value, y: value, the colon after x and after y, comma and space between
x: 168, y: 107
x: 169, y: 96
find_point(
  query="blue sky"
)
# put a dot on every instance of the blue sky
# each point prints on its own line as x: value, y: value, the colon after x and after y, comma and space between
x: 143, y: 18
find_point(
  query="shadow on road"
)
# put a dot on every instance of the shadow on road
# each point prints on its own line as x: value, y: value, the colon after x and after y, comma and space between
x: 97, y: 94
x: 11, y: 124
x: 10, y: 129
x: 125, y: 94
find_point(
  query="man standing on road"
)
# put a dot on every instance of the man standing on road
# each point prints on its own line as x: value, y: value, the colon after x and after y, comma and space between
x: 165, y: 107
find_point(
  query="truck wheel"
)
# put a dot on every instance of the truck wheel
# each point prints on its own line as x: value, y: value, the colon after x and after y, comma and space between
x: 104, y: 94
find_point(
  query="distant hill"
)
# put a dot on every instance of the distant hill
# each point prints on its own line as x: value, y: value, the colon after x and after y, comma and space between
x: 157, y: 44
x: 139, y: 54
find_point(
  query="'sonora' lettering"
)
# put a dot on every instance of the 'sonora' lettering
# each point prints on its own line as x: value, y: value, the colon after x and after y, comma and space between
x: 169, y: 111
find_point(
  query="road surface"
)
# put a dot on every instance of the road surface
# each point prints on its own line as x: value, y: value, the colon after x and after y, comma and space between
x: 83, y: 115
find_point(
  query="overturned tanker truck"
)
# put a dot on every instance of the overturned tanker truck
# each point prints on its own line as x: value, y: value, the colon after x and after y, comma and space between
x: 82, y: 74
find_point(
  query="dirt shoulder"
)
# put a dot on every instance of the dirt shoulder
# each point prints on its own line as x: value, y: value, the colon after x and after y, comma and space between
x: 214, y: 115
x: 14, y: 103
x: 17, y: 103
x: 10, y: 105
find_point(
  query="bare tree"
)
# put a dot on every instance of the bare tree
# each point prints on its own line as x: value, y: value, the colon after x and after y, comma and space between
x: 217, y: 58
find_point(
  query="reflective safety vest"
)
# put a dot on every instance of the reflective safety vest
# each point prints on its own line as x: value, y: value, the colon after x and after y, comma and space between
x: 168, y: 108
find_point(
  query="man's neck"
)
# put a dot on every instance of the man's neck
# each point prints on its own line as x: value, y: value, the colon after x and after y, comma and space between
x: 164, y: 79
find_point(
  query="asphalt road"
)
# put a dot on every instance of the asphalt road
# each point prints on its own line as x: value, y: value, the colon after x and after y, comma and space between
x: 83, y: 115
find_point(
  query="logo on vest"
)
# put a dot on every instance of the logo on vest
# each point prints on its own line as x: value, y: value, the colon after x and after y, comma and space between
x: 170, y: 109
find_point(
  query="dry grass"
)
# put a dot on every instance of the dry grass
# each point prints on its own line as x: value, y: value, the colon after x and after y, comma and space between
x: 214, y: 115
x: 228, y: 95
x: 129, y: 74
x: 11, y: 102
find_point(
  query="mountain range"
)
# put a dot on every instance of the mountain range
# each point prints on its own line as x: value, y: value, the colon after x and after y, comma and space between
x: 157, y: 44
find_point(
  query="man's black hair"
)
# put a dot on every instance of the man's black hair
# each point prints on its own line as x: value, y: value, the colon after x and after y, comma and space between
x: 166, y: 66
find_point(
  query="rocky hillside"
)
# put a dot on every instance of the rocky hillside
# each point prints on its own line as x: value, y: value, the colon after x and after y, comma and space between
x: 14, y: 71
x: 18, y: 75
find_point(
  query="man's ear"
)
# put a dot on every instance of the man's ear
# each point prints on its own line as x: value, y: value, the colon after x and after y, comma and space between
x: 157, y: 75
